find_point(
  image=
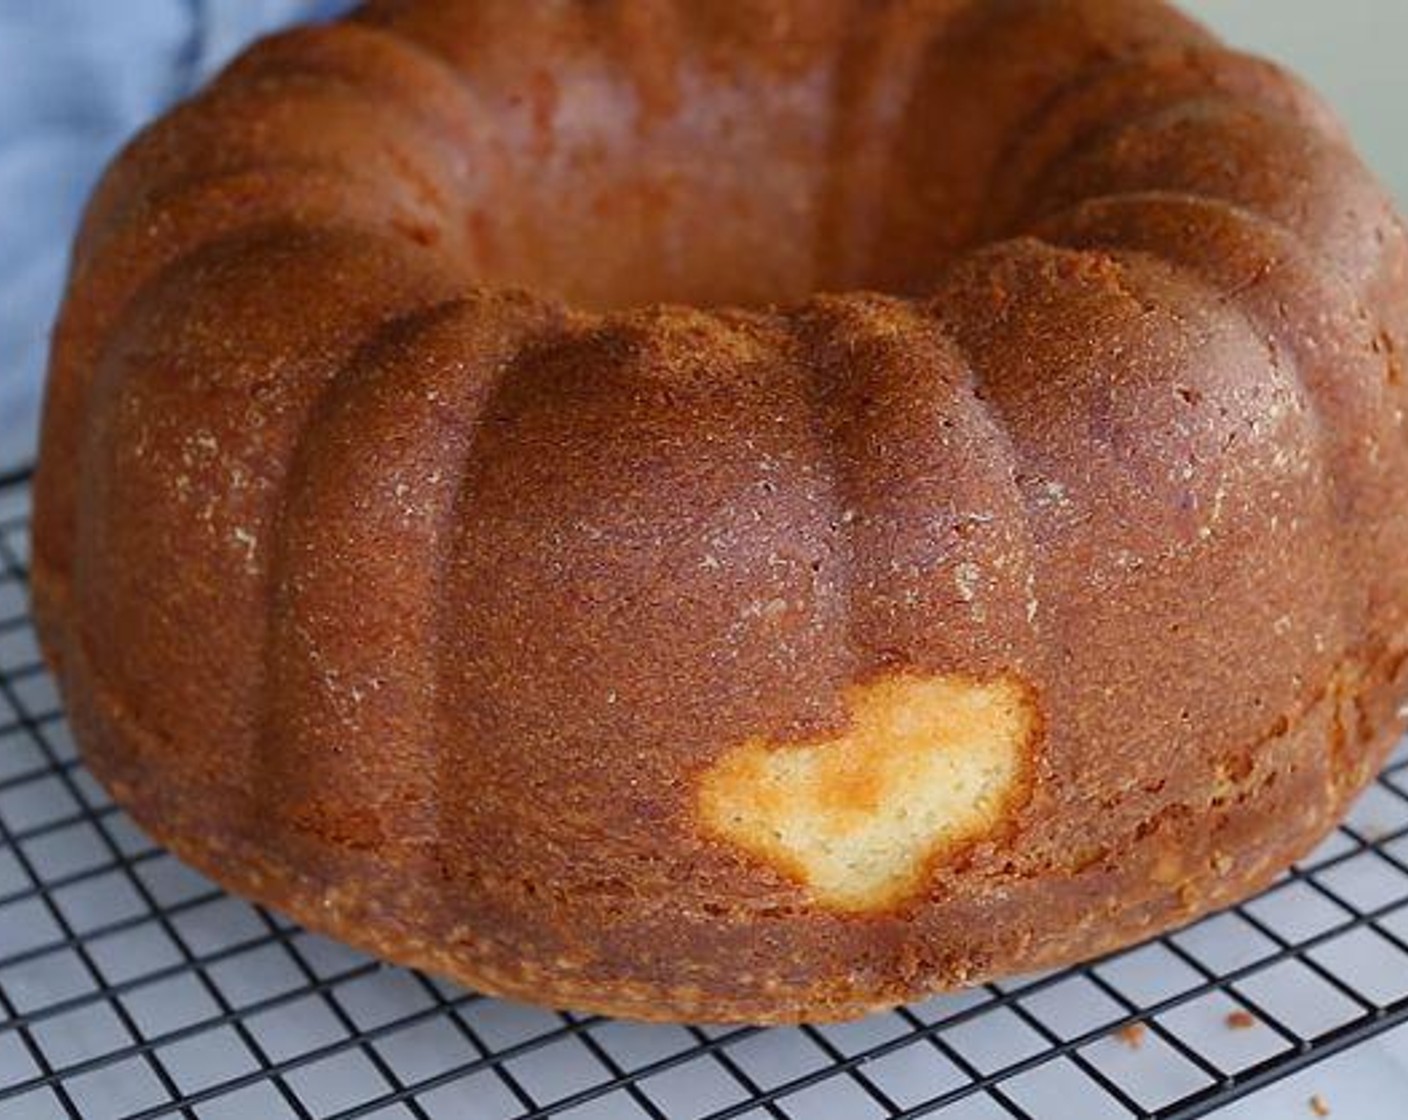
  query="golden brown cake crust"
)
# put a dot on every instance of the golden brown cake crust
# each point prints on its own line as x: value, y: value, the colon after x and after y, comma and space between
x: 460, y: 525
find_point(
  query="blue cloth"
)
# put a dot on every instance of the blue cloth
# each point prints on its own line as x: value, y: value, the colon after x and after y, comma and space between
x: 77, y: 78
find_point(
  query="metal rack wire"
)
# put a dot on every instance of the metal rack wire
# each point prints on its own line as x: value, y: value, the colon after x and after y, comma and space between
x: 132, y: 987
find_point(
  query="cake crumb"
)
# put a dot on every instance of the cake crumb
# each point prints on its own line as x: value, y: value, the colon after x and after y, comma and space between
x: 1318, y: 1105
x: 1240, y: 1020
x: 1132, y: 1035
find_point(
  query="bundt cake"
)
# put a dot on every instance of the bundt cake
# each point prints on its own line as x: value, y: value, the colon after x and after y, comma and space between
x: 462, y: 525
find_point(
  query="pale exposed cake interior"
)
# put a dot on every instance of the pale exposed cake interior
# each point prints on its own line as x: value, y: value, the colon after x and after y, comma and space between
x: 926, y: 762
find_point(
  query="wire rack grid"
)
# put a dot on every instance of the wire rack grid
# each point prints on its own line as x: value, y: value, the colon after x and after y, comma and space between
x: 132, y: 987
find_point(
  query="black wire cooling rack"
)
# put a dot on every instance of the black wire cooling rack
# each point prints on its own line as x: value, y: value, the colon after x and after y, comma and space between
x: 132, y: 987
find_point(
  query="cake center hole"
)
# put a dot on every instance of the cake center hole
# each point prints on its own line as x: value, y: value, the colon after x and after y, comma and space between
x: 737, y: 190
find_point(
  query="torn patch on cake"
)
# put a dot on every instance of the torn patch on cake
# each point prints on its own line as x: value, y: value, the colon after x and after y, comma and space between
x: 925, y: 764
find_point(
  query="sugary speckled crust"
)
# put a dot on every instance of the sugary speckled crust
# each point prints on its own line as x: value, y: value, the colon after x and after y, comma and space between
x: 407, y: 565
x: 1182, y: 861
